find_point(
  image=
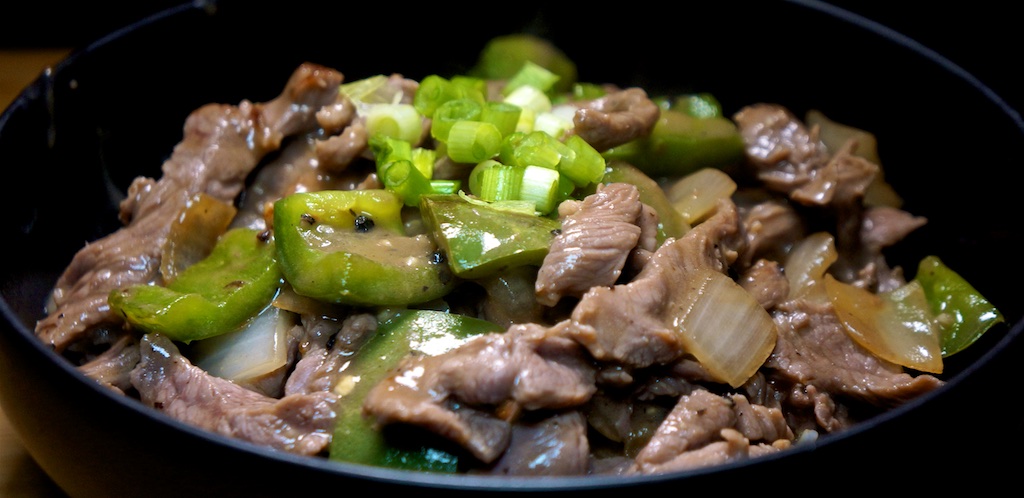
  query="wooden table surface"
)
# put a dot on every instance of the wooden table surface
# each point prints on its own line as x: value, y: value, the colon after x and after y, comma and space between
x: 20, y: 477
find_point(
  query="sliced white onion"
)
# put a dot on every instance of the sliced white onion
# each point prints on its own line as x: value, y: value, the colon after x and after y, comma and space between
x: 193, y: 233
x: 257, y: 349
x: 896, y: 326
x: 723, y: 326
x: 807, y: 263
x: 696, y: 195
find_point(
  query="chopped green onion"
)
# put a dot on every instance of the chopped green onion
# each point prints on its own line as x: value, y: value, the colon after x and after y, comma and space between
x: 388, y: 149
x: 529, y: 97
x: 566, y: 187
x: 531, y: 74
x: 587, y: 91
x: 586, y: 166
x: 400, y: 121
x: 402, y: 178
x: 526, y: 120
x: 445, y: 186
x: 539, y: 149
x: 523, y: 207
x: 506, y: 153
x: 371, y: 90
x: 433, y: 91
x: 473, y: 141
x: 503, y: 115
x: 470, y: 87
x: 553, y: 123
x: 540, y: 185
x: 424, y: 160
x: 451, y: 112
x: 493, y: 181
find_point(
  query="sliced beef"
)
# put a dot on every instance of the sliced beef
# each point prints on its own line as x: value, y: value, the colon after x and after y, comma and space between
x: 327, y: 345
x: 221, y: 146
x: 113, y: 367
x: 790, y: 158
x: 885, y: 226
x: 766, y: 281
x: 784, y: 153
x: 729, y: 447
x: 841, y: 181
x: 705, y: 428
x: 296, y: 168
x: 616, y: 118
x: 771, y: 226
x: 335, y: 117
x: 631, y: 323
x: 861, y: 260
x: 335, y: 153
x: 813, y: 349
x: 167, y: 381
x: 594, y: 243
x: 458, y: 394
x: 553, y: 446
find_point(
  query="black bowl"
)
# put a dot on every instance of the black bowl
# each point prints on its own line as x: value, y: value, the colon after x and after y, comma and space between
x: 113, y: 110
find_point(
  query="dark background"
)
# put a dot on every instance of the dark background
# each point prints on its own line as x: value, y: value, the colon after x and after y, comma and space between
x: 982, y: 36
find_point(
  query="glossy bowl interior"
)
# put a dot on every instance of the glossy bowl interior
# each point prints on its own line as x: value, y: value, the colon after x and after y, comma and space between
x: 74, y: 140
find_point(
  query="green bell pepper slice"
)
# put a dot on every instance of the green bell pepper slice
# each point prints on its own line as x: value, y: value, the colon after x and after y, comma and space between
x: 680, y: 144
x: 504, y: 56
x: 399, y: 333
x: 216, y: 295
x: 965, y: 315
x: 480, y: 240
x: 349, y: 247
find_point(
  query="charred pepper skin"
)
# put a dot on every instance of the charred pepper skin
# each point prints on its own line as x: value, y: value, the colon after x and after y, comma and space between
x: 329, y: 246
x: 214, y: 296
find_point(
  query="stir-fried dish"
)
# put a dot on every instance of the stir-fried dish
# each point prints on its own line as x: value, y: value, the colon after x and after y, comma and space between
x: 510, y: 271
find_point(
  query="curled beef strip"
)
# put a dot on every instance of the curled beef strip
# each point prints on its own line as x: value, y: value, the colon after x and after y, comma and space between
x: 167, y: 381
x: 784, y: 153
x: 460, y: 394
x: 616, y: 118
x: 221, y: 146
x: 113, y: 367
x: 324, y: 350
x: 593, y: 245
x: 554, y: 446
x: 863, y: 263
x: 631, y: 323
x: 704, y: 429
x: 813, y: 349
x: 345, y: 127
x: 335, y: 153
x: 771, y: 227
x: 766, y: 281
x: 789, y: 158
x: 295, y: 169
